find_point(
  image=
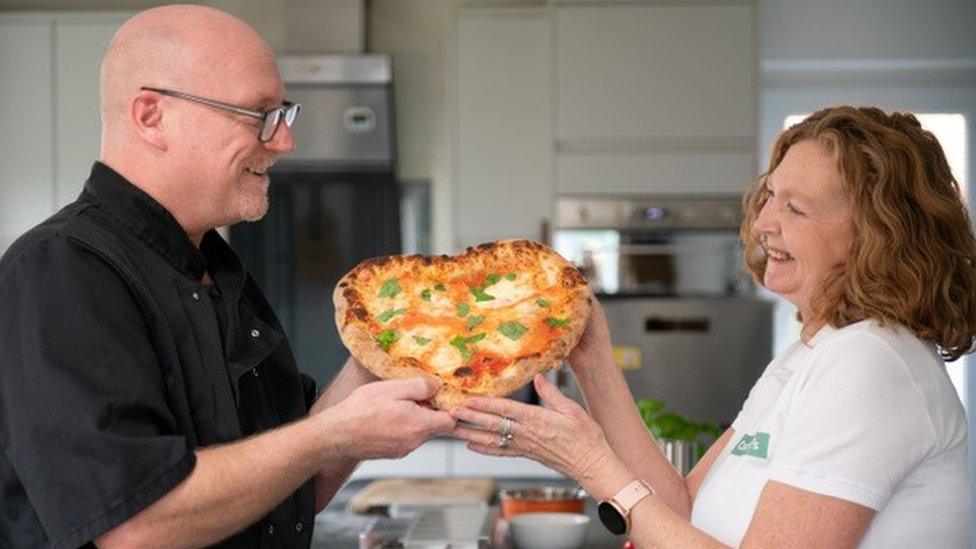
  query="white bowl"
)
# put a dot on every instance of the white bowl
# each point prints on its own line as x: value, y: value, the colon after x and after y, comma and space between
x: 549, y: 530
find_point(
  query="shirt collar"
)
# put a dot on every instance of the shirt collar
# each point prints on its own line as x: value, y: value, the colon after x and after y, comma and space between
x: 153, y: 224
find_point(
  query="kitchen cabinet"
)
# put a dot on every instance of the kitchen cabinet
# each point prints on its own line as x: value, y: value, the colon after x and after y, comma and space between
x: 655, y: 97
x: 49, y: 102
x: 502, y: 124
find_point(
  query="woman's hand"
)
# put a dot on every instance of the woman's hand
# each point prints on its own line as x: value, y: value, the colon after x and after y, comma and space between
x: 595, y: 349
x: 563, y: 437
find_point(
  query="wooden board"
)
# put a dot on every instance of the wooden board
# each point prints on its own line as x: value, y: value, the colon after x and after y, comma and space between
x: 379, y: 494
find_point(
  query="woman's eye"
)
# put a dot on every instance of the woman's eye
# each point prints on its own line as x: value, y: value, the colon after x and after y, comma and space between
x: 793, y: 209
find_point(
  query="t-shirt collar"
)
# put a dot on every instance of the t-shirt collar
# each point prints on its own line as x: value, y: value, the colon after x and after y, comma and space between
x: 821, y: 334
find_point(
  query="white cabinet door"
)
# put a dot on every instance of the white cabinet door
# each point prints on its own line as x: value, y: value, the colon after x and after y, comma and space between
x: 656, y: 97
x: 26, y: 184
x: 80, y: 46
x: 503, y: 152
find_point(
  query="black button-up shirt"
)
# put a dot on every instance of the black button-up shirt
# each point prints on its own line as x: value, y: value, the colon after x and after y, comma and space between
x: 116, y: 362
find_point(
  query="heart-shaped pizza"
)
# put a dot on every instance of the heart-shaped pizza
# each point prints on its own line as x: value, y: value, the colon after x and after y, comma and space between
x: 481, y: 323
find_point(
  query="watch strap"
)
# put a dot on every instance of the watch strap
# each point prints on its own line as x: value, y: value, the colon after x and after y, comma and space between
x: 629, y: 496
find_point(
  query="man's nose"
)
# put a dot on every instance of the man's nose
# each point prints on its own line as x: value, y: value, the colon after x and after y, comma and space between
x: 283, y: 140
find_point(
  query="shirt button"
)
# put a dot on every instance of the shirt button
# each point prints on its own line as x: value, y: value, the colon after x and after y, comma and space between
x: 271, y: 529
x: 255, y: 333
x: 196, y: 296
x: 299, y: 527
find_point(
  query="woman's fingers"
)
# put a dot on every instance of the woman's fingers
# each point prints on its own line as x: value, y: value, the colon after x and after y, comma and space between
x: 501, y: 407
x: 551, y: 395
x: 488, y: 422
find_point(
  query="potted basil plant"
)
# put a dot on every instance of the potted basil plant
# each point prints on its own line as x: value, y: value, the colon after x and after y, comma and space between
x: 683, y: 440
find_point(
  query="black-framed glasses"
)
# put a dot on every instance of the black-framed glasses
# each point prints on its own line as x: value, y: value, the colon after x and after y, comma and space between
x: 270, y: 119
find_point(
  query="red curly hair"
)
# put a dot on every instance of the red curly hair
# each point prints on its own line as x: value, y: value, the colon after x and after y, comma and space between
x: 913, y: 253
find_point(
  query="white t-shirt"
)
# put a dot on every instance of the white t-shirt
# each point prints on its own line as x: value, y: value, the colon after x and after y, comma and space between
x: 864, y: 413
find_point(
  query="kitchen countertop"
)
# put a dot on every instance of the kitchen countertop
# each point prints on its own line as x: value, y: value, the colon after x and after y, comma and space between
x: 337, y: 529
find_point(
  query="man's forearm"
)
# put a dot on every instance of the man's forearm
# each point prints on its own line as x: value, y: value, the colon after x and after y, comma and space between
x: 230, y: 487
x: 336, y: 471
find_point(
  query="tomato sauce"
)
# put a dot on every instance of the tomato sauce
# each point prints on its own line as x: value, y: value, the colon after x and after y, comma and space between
x: 483, y: 363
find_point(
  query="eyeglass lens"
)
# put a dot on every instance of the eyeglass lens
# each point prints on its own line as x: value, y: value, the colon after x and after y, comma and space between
x: 273, y: 119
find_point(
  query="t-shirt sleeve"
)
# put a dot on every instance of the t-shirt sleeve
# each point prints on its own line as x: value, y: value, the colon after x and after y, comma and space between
x: 308, y: 390
x: 84, y: 421
x: 856, y: 426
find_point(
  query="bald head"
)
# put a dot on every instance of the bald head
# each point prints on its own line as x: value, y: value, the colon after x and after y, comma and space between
x: 194, y: 49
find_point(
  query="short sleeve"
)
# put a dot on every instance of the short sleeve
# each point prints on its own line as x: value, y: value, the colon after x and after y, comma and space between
x: 308, y: 390
x: 84, y: 421
x: 857, y: 423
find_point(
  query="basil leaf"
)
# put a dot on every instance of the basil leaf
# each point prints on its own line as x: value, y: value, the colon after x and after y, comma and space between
x: 557, y: 322
x: 440, y: 287
x: 425, y: 294
x: 463, y: 309
x: 512, y: 330
x: 385, y: 316
x: 510, y: 276
x: 390, y: 288
x: 490, y: 280
x: 422, y: 341
x: 480, y: 295
x: 543, y: 302
x: 474, y: 320
x: 387, y: 337
x: 462, y: 344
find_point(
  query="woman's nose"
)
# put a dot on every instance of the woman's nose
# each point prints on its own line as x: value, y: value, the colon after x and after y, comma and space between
x: 766, y: 222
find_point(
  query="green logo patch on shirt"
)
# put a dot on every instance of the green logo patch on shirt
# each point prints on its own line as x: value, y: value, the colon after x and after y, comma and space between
x: 753, y: 445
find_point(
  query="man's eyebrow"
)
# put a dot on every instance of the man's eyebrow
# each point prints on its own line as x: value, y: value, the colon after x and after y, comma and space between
x: 265, y: 102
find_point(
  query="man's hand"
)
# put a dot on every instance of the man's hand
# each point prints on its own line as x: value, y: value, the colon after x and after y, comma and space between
x: 384, y: 420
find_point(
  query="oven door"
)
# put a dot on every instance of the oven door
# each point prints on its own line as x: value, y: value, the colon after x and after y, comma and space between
x: 700, y: 356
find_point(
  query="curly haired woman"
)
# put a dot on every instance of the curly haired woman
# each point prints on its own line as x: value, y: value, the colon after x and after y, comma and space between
x: 854, y: 434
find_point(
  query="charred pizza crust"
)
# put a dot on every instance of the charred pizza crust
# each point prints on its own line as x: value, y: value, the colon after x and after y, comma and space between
x: 562, y: 286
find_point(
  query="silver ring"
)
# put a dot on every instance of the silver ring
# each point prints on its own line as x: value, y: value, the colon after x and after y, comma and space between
x: 507, y: 425
x: 505, y: 441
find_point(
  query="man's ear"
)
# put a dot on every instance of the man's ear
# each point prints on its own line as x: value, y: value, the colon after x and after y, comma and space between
x: 146, y: 113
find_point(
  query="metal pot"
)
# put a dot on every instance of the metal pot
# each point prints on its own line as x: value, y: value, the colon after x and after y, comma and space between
x: 682, y: 454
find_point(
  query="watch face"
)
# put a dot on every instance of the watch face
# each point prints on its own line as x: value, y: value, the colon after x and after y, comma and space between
x: 611, y: 518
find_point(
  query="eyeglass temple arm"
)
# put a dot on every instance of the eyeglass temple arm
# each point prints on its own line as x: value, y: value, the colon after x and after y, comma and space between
x: 210, y: 102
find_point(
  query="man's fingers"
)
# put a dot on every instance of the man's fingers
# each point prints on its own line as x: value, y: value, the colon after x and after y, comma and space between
x: 437, y: 422
x: 414, y: 388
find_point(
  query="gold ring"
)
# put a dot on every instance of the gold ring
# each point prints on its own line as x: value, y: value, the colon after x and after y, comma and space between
x: 505, y: 441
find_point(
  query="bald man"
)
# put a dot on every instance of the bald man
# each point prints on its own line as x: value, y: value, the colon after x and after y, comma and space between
x: 148, y: 396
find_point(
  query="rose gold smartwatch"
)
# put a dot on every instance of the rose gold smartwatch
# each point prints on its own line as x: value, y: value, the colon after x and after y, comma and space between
x: 615, y: 512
